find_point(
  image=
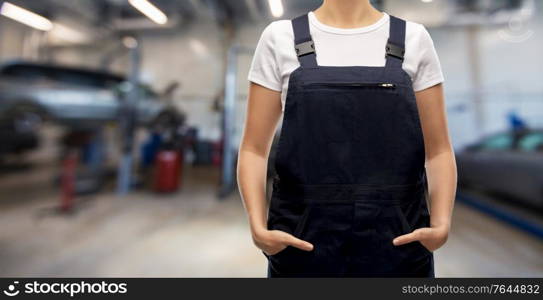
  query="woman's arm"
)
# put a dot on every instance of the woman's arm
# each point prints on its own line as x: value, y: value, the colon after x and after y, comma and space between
x: 440, y: 169
x: 262, y: 116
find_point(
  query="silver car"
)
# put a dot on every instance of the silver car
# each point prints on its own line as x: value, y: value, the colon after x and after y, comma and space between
x: 69, y: 95
x: 509, y: 163
x: 76, y: 97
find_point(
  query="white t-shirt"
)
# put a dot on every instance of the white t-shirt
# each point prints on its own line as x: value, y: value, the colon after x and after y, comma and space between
x: 275, y: 57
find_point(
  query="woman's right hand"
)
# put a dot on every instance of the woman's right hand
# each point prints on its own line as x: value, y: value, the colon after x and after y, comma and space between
x: 275, y: 241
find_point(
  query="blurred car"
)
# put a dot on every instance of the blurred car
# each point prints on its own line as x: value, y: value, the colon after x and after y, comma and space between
x: 76, y: 97
x: 508, y: 163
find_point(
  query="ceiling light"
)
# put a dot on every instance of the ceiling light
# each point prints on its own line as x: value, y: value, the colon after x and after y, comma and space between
x: 276, y: 8
x: 149, y: 10
x: 130, y: 42
x: 26, y: 17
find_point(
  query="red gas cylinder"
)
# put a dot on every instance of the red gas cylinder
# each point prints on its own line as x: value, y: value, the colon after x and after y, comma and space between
x: 167, y: 171
x: 67, y: 181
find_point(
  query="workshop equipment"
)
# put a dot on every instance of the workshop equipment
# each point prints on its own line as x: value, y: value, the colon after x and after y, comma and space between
x: 168, y: 166
x: 68, y: 180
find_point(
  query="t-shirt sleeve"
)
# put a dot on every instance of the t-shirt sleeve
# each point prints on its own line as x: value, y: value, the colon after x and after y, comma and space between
x: 264, y: 68
x: 429, y: 68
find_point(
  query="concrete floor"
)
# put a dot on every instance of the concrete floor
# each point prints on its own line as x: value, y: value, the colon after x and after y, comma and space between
x: 191, y: 234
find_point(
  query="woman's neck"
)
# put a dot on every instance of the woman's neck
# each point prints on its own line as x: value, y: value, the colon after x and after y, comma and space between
x: 347, y: 13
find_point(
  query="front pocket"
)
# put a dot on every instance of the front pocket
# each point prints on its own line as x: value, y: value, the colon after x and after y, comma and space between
x: 288, y: 216
x: 407, y: 228
x: 290, y: 258
x: 280, y: 252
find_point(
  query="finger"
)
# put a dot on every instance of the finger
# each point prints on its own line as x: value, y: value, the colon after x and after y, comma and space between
x: 416, y: 235
x: 298, y: 243
x: 404, y: 239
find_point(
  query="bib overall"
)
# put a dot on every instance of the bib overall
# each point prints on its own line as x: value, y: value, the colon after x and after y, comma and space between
x: 350, y: 168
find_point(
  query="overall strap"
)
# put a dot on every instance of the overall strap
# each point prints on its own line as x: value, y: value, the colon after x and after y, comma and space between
x: 395, y: 48
x: 303, y: 44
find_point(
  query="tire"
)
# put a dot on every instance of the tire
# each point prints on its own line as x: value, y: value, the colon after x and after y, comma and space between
x: 24, y: 118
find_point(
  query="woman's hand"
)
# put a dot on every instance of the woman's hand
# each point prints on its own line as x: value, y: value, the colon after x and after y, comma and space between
x: 275, y: 241
x: 430, y: 237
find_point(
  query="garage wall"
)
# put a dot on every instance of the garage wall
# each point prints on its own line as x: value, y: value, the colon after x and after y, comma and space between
x: 512, y: 68
x: 505, y: 53
x: 195, y: 58
x: 18, y: 41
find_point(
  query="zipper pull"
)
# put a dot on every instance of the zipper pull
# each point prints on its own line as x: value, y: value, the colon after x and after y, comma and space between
x: 387, y: 85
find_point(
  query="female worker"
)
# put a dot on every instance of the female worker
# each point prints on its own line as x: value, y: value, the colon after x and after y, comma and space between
x: 363, y: 145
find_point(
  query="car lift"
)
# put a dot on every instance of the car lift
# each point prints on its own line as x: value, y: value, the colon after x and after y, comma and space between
x: 127, y: 121
x: 229, y: 120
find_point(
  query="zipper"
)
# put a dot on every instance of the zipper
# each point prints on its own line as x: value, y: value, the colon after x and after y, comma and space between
x: 385, y: 85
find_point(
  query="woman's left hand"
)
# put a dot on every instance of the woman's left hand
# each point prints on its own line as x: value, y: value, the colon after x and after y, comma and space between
x: 430, y: 237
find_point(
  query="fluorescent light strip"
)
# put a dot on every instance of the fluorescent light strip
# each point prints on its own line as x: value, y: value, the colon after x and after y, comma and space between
x: 276, y: 8
x: 26, y: 17
x: 149, y: 10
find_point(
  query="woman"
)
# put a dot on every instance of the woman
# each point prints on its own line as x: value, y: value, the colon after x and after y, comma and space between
x: 363, y: 144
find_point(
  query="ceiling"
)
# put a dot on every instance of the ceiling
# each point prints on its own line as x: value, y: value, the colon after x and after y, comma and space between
x: 119, y: 15
x: 106, y: 13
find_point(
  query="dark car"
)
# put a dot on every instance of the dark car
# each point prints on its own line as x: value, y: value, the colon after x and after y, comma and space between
x: 75, y: 97
x: 508, y: 163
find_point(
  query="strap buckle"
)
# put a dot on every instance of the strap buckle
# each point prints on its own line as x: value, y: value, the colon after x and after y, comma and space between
x: 395, y: 51
x: 305, y: 48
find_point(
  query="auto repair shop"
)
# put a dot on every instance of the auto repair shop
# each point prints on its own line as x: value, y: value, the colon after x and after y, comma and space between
x: 121, y: 120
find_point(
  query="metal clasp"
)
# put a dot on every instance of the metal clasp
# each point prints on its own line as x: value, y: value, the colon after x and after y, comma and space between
x: 305, y: 48
x: 394, y: 50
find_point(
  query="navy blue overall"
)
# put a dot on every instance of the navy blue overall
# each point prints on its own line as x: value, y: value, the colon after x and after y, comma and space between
x: 350, y: 168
